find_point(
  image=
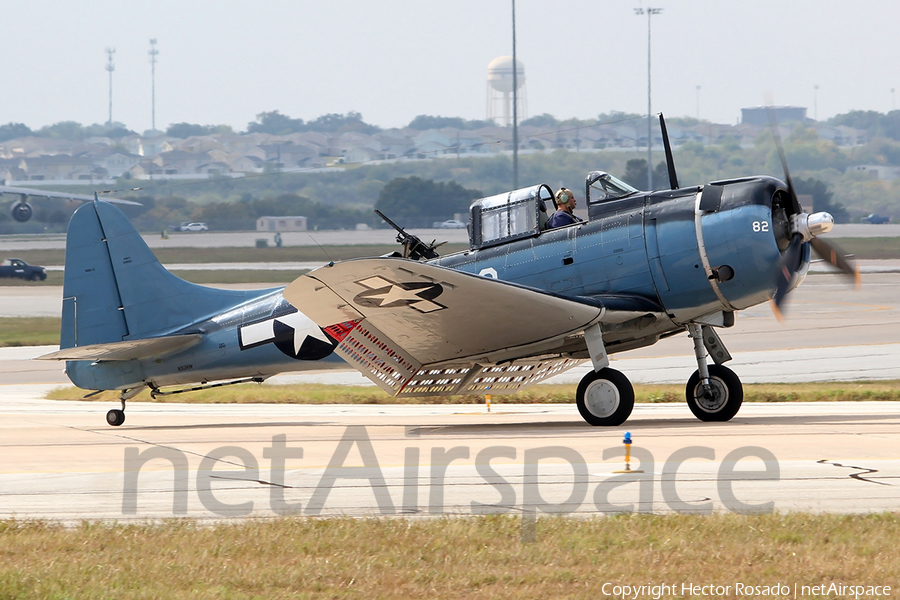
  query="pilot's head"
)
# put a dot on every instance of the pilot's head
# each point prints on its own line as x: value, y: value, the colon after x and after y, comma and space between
x: 565, y: 199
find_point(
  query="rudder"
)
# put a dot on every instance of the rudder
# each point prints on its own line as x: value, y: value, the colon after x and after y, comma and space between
x: 115, y: 288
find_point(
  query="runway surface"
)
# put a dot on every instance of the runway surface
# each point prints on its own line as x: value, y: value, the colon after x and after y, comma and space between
x: 61, y: 461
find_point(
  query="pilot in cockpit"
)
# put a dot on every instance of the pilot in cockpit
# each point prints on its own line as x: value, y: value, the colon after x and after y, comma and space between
x: 565, y: 207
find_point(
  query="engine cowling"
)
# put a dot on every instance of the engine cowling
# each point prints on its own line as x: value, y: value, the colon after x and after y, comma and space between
x: 21, y: 211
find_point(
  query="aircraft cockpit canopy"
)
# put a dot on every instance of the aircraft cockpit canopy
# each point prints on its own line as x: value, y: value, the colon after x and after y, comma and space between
x: 600, y: 186
x: 509, y: 216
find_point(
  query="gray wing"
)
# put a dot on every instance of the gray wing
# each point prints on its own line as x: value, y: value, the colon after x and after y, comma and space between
x: 418, y: 329
x: 26, y: 192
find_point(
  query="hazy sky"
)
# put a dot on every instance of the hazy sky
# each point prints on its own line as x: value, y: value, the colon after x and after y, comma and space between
x: 224, y: 61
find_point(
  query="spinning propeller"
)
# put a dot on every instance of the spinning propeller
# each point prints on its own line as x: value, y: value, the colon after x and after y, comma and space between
x: 802, y: 227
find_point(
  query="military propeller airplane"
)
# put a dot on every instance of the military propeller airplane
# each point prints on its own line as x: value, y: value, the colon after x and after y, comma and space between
x: 523, y: 303
x: 22, y: 211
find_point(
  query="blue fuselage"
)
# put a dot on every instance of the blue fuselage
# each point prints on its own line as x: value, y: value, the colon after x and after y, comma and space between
x: 659, y: 247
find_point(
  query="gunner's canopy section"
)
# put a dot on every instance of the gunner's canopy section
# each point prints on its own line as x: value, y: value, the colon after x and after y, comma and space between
x: 508, y: 216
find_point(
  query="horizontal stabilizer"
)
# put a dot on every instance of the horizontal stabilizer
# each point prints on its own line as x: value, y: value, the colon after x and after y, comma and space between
x: 126, y: 350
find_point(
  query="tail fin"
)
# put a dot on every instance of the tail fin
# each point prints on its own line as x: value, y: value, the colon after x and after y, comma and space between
x: 115, y: 289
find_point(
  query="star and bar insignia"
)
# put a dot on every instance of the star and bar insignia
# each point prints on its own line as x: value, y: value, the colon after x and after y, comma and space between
x: 383, y: 293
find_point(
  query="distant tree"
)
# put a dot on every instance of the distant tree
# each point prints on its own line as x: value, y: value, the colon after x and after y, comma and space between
x: 336, y: 123
x: 275, y: 123
x: 281, y: 206
x: 186, y: 130
x: 822, y: 198
x: 859, y: 119
x: 52, y: 215
x: 278, y: 124
x: 418, y: 202
x: 636, y: 175
x: 544, y: 120
x: 661, y: 177
x: 117, y: 133
x: 227, y: 215
x: 243, y: 213
x: 425, y: 122
x: 890, y: 125
x: 873, y: 122
x: 173, y: 203
x: 11, y: 131
x: 616, y: 116
x: 110, y: 130
x: 64, y: 130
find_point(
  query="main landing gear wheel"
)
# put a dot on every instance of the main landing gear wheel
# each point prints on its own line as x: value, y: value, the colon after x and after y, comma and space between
x: 115, y: 417
x: 605, y: 398
x: 724, y: 398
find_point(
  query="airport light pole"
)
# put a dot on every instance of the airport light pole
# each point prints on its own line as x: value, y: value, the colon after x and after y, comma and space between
x: 153, y: 52
x: 649, y: 12
x: 110, y: 67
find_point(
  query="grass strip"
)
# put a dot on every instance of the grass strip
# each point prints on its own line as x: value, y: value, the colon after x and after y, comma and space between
x: 251, y: 393
x: 29, y: 331
x: 871, y: 248
x: 471, y: 557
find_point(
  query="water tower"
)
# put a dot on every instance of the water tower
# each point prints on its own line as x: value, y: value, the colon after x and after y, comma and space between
x: 500, y: 88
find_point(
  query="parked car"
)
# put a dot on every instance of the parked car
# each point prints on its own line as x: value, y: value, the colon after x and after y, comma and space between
x: 191, y: 227
x: 451, y: 224
x: 16, y: 267
x: 875, y: 219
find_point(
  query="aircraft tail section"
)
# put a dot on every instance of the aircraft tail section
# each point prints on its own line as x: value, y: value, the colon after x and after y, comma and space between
x: 115, y: 289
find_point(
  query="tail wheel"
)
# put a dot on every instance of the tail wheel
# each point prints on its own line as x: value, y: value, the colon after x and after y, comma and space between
x: 605, y: 398
x: 722, y: 401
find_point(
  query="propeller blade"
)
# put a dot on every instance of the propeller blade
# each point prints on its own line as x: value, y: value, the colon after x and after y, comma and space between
x: 670, y: 162
x: 795, y: 203
x: 787, y: 267
x: 833, y: 255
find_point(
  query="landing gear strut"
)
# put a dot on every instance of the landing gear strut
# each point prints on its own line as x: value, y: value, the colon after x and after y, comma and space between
x: 714, y: 392
x: 605, y: 397
x: 116, y: 416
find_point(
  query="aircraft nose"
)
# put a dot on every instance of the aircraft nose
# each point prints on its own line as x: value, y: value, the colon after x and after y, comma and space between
x: 810, y: 226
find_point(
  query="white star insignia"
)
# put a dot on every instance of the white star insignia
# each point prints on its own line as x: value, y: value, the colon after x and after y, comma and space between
x: 264, y: 331
x: 303, y: 328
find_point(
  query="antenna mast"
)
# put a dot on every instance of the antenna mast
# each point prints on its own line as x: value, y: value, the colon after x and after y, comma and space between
x: 515, y: 124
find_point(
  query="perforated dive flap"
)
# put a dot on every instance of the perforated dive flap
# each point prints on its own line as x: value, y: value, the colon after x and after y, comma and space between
x: 484, y: 379
x: 393, y: 370
x: 377, y: 357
